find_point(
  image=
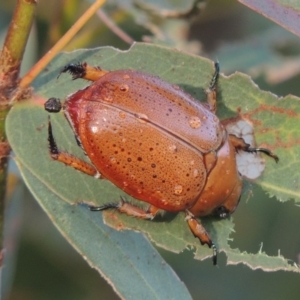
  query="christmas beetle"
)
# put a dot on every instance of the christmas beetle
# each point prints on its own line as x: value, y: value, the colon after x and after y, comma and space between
x: 155, y: 142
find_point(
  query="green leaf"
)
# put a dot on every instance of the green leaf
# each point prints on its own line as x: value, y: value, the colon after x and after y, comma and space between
x: 13, y: 215
x: 117, y: 256
x: 274, y: 52
x: 276, y: 124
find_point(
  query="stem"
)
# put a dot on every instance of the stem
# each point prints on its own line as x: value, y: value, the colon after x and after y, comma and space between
x: 41, y: 64
x: 10, y: 60
x: 14, y: 47
x: 19, y: 29
x: 4, y: 152
x: 114, y: 27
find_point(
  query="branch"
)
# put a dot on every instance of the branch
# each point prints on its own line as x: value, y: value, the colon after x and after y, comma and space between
x: 41, y: 64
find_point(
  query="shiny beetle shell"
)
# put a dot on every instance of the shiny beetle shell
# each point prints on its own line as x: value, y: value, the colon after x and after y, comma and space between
x: 147, y: 137
x: 155, y: 142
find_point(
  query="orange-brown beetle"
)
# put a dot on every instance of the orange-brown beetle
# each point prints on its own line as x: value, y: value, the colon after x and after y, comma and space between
x: 155, y: 142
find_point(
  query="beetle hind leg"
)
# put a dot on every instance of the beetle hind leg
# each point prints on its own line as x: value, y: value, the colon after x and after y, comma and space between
x: 129, y: 209
x: 240, y: 144
x: 200, y: 232
x: 68, y: 159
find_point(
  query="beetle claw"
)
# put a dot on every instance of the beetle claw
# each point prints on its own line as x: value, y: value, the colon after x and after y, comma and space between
x: 77, y: 70
x: 215, y: 77
x: 214, y: 257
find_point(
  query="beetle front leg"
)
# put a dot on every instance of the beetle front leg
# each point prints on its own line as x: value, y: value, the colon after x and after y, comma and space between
x: 200, y: 232
x: 128, y: 209
x: 68, y: 159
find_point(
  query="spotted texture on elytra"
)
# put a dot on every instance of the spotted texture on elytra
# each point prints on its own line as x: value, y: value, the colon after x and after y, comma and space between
x: 155, y: 142
x: 137, y: 155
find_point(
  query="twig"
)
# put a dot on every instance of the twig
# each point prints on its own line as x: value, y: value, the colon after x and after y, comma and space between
x: 10, y: 60
x: 114, y: 27
x: 41, y: 64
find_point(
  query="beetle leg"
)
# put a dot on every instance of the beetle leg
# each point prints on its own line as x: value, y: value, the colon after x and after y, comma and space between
x: 200, y: 232
x: 129, y: 209
x: 84, y: 71
x: 211, y: 92
x: 240, y: 144
x: 68, y: 159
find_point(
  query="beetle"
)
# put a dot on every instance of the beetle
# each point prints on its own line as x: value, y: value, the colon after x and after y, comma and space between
x: 155, y: 142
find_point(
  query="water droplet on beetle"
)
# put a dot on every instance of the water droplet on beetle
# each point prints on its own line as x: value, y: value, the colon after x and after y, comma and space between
x: 113, y: 160
x: 178, y: 189
x: 177, y: 203
x: 195, y: 173
x: 164, y: 201
x: 139, y: 191
x: 215, y: 119
x: 124, y: 88
x: 195, y: 122
x: 172, y: 148
x: 142, y: 117
x: 107, y: 98
x: 94, y: 129
x: 176, y: 87
x: 122, y: 114
x: 125, y: 183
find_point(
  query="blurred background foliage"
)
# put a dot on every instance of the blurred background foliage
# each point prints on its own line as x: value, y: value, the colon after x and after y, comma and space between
x: 46, y: 266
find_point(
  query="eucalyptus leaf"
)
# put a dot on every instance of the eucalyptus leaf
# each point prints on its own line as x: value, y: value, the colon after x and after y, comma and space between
x: 275, y: 121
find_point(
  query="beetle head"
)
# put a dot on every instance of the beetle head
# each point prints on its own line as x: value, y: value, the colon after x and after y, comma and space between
x: 53, y: 105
